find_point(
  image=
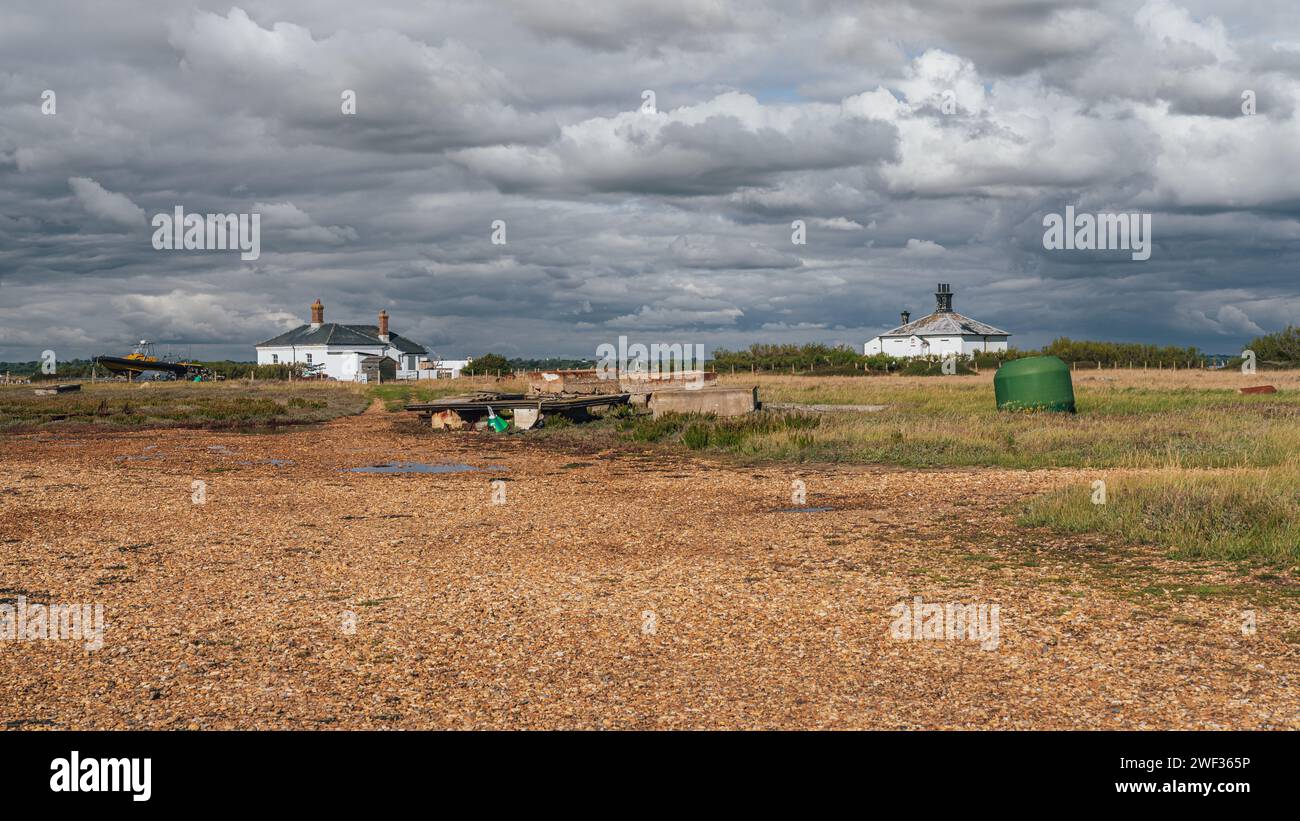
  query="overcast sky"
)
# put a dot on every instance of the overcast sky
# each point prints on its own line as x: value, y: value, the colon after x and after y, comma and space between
x: 919, y: 142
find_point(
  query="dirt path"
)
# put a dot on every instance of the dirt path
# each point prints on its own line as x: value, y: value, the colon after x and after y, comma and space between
x: 622, y: 590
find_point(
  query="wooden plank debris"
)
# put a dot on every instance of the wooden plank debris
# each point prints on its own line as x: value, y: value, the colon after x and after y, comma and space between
x: 472, y: 406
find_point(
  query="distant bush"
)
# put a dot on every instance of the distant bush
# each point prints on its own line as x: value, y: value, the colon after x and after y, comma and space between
x: 552, y: 363
x: 1122, y: 353
x: 822, y: 358
x: 70, y: 369
x: 489, y: 364
x: 933, y: 366
x: 226, y: 369
x: 1281, y: 348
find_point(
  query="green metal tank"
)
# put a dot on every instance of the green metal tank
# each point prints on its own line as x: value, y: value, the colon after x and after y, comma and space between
x: 1034, y: 383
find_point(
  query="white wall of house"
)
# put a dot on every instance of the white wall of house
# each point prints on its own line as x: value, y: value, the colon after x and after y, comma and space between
x: 972, y: 344
x: 449, y: 368
x: 941, y: 345
x: 345, y: 363
x: 342, y: 365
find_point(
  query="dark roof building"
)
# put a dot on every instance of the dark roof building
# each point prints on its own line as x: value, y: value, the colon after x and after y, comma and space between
x: 336, y: 350
x: 338, y: 334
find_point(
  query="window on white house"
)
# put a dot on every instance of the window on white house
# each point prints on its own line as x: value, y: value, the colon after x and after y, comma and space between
x: 275, y: 359
x: 308, y: 359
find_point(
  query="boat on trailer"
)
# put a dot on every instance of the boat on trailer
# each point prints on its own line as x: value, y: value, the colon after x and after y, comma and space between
x: 143, y: 359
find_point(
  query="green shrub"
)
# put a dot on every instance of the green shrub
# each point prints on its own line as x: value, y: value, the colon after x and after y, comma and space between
x: 489, y: 364
x: 1281, y: 348
x: 696, y: 437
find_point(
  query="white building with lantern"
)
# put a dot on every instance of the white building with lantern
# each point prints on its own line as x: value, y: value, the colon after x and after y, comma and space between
x: 943, y: 332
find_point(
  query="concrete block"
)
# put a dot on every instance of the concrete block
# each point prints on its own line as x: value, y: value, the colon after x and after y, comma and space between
x: 716, y: 400
x: 525, y: 418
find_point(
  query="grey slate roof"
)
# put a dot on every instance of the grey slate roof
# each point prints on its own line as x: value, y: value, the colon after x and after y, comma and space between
x: 945, y: 322
x: 334, y: 333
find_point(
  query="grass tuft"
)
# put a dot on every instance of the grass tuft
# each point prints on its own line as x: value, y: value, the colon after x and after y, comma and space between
x: 1232, y: 515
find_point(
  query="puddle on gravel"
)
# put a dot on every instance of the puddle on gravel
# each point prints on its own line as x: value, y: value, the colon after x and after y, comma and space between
x: 416, y: 467
x: 804, y: 509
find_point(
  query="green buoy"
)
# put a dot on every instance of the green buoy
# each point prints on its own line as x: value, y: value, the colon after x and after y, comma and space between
x: 496, y: 422
x: 1034, y: 383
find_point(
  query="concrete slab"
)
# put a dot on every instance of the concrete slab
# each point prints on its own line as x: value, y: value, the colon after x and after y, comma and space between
x: 716, y: 400
x: 526, y: 418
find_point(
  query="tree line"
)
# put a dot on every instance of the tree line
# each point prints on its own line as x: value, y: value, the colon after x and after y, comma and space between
x: 1279, y: 349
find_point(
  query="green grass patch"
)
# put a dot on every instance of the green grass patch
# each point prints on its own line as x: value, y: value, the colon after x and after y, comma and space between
x: 1231, y: 515
x: 707, y: 432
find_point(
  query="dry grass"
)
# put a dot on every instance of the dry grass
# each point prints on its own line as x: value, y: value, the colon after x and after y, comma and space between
x: 1126, y: 419
x: 1248, y: 514
x: 232, y: 404
x: 1215, y: 471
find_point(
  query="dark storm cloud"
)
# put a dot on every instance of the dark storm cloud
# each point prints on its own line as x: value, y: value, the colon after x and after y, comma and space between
x: 916, y: 142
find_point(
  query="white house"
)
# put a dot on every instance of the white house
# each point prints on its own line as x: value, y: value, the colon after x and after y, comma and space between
x: 943, y: 332
x: 342, y: 347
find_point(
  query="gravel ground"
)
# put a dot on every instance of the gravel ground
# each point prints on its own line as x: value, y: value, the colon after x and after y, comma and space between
x: 610, y: 590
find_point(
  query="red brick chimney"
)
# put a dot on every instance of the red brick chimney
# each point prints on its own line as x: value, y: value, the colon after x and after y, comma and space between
x: 317, y: 314
x: 383, y: 326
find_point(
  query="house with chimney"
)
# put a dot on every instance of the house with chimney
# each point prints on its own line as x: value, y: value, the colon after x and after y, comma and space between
x: 943, y: 332
x: 349, y: 352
